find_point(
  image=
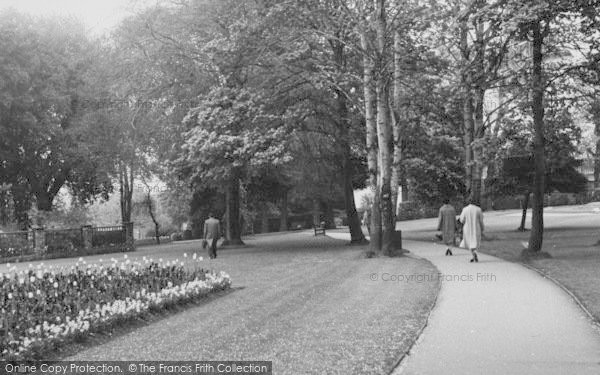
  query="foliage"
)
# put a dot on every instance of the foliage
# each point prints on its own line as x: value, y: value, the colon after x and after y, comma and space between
x: 43, y: 68
x: 13, y: 244
x: 515, y: 160
x: 230, y: 132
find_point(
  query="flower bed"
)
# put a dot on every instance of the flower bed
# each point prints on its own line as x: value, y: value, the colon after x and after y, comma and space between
x: 41, y: 309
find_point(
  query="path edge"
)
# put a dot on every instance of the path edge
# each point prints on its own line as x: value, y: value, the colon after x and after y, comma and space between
x: 397, y: 365
x: 595, y: 322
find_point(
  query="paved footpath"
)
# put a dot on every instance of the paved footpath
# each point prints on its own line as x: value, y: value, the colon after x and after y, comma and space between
x: 503, y: 319
x: 497, y: 317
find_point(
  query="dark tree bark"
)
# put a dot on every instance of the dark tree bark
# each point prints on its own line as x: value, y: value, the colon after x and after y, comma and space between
x: 537, y: 107
x: 43, y: 201
x: 316, y: 212
x: 150, y: 206
x: 467, y: 103
x: 328, y: 216
x: 283, y: 223
x: 524, y: 207
x: 46, y: 191
x: 356, y: 234
x: 233, y: 232
x: 126, y: 177
x: 264, y: 218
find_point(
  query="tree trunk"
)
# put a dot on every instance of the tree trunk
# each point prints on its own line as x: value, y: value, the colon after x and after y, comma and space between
x: 283, y: 223
x: 264, y: 218
x: 328, y: 216
x: 356, y: 234
x: 467, y: 103
x: 477, y: 84
x: 537, y: 107
x: 153, y: 217
x: 126, y: 176
x: 43, y: 201
x: 524, y: 214
x: 316, y: 213
x: 233, y: 233
x: 371, y: 142
x: 597, y: 153
x: 47, y: 190
x: 397, y: 121
x: 384, y: 135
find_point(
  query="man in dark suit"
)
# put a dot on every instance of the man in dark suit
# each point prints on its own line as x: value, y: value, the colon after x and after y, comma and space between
x: 212, y: 233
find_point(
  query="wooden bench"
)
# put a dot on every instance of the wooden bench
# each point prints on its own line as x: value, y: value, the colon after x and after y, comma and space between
x: 320, y: 230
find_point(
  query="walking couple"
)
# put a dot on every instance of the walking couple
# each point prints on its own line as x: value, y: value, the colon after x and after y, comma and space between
x: 471, y: 220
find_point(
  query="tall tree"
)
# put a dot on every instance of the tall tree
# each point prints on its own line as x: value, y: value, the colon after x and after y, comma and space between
x: 43, y: 66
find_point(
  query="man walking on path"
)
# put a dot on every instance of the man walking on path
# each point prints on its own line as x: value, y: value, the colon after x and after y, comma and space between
x: 472, y: 219
x: 447, y: 224
x: 212, y: 231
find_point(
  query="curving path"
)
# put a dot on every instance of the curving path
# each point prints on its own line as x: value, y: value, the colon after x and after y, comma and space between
x: 497, y: 317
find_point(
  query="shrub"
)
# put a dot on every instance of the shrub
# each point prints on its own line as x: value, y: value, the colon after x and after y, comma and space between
x: 14, y: 244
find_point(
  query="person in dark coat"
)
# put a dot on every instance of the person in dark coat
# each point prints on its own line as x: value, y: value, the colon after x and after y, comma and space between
x: 447, y: 225
x: 212, y: 233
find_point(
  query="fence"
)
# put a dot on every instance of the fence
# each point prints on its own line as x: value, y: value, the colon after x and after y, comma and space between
x: 108, y: 236
x: 42, y: 244
x: 16, y: 245
x: 63, y: 241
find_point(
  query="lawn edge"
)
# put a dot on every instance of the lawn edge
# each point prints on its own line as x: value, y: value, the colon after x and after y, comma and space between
x: 125, y: 327
x: 595, y: 322
x: 399, y: 363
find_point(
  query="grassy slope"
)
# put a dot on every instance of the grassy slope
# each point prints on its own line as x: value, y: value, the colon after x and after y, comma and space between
x: 305, y: 303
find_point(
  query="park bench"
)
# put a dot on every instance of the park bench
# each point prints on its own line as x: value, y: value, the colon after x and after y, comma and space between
x: 320, y: 230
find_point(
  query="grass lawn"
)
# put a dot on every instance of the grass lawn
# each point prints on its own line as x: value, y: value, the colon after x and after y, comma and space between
x: 306, y: 303
x: 575, y: 260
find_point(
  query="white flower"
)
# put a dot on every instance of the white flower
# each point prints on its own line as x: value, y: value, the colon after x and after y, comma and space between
x: 32, y: 279
x: 10, y: 296
x: 195, y: 256
x: 29, y: 295
x: 185, y: 255
x: 55, y: 284
x: 74, y: 283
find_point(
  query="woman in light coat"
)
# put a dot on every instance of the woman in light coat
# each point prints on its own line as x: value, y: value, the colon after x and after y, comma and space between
x: 472, y: 219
